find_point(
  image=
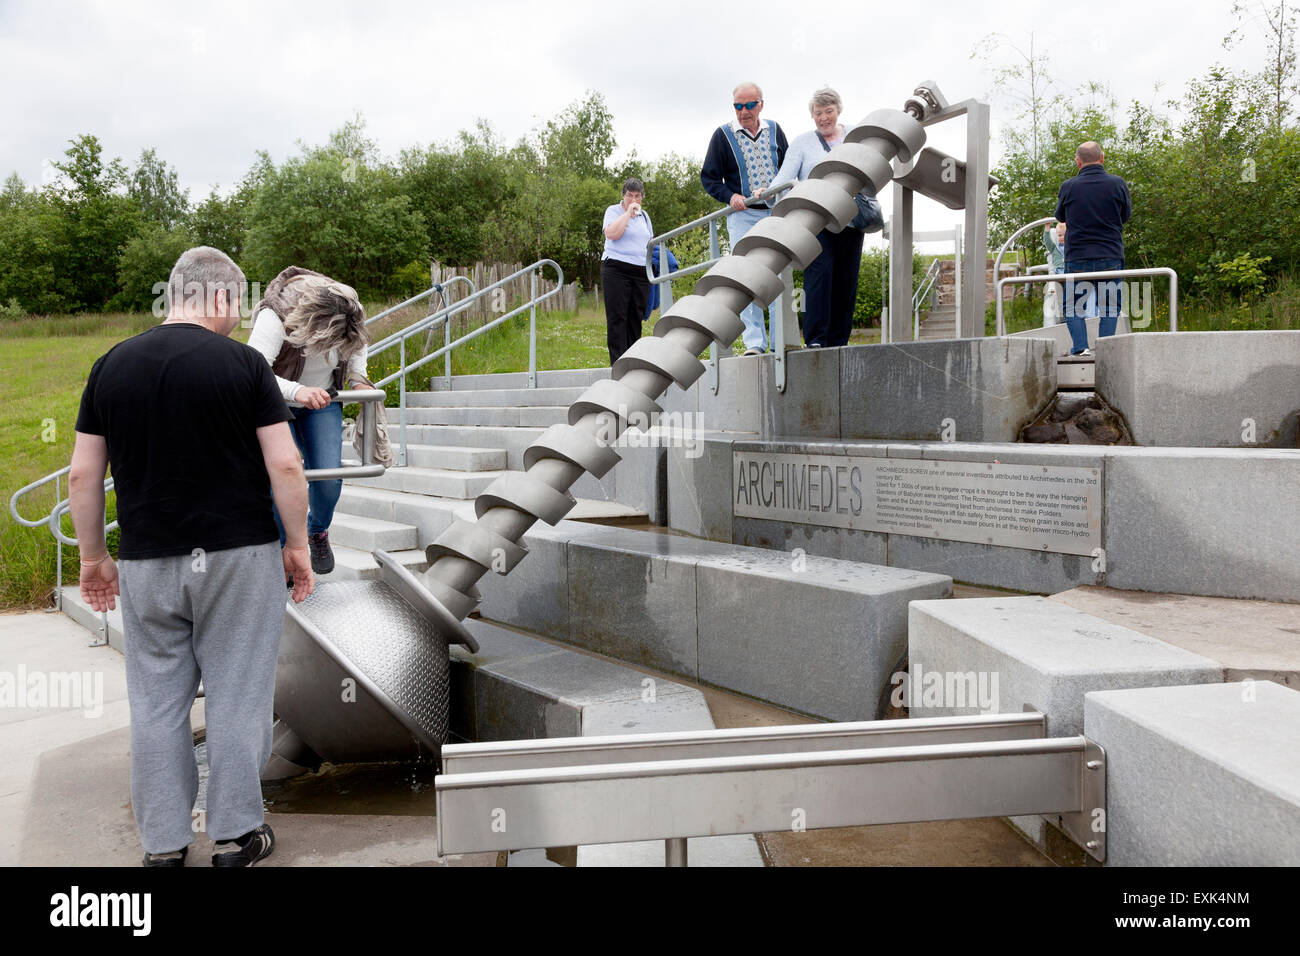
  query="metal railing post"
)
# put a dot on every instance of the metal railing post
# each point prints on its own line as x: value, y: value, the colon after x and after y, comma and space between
x: 714, y: 252
x: 675, y: 852
x: 532, y: 331
x: 401, y: 405
x: 665, y: 288
x: 58, y: 553
x: 446, y: 341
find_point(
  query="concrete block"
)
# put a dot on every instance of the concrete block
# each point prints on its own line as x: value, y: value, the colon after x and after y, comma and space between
x: 737, y: 405
x: 1200, y: 776
x: 821, y: 637
x: 632, y: 596
x: 507, y: 706
x: 535, y: 595
x: 989, y: 388
x: 1035, y: 652
x: 673, y: 707
x: 643, y: 474
x: 699, y: 489
x: 1216, y: 522
x: 1017, y: 569
x: 1198, y: 389
x: 810, y: 405
x: 847, y: 544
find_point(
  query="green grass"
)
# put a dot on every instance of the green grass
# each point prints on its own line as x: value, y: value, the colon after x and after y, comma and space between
x: 44, y: 376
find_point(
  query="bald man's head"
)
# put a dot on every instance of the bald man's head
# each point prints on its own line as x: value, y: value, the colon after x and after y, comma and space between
x: 1089, y: 153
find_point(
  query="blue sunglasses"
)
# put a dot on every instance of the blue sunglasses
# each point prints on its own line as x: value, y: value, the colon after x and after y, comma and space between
x: 746, y: 106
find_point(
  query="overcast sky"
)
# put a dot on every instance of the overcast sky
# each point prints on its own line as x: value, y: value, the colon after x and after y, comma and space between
x: 209, y: 83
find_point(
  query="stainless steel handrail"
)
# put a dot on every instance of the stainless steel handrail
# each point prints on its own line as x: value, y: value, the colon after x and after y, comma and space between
x: 438, y: 287
x: 1072, y: 277
x: 715, y: 254
x: 400, y: 338
x: 997, y: 260
x: 931, y: 277
x: 721, y: 782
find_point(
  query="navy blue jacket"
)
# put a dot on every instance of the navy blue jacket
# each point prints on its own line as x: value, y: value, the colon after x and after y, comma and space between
x: 1094, y: 205
x: 720, y: 174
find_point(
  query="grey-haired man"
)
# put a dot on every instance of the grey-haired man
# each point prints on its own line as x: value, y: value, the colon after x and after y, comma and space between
x: 196, y: 432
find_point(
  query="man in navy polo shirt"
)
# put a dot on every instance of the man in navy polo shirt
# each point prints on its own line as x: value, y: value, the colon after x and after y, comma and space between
x: 1094, y: 205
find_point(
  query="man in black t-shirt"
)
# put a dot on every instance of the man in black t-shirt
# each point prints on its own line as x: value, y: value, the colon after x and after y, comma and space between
x: 196, y: 431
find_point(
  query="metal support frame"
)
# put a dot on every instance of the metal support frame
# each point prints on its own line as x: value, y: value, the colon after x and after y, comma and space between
x: 972, y: 242
x: 581, y: 791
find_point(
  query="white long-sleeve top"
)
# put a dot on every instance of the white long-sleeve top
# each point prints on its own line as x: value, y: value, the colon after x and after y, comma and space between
x: 318, y: 371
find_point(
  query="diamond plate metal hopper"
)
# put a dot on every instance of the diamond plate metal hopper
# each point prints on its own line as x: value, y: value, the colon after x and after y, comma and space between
x: 363, y: 668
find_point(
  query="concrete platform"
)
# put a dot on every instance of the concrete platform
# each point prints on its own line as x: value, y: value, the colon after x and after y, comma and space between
x: 1205, y: 389
x: 1018, y: 652
x: 1259, y: 640
x: 1200, y: 776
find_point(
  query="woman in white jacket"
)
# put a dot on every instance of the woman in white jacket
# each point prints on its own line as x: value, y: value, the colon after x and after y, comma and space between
x: 830, y: 283
x: 312, y: 330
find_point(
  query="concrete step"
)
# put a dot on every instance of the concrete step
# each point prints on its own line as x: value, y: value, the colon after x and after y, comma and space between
x: 448, y: 457
x: 527, y: 415
x: 1076, y: 373
x: 352, y: 564
x: 366, y: 534
x: 505, y: 396
x: 429, y: 516
x: 438, y: 482
x: 513, y: 439
x: 558, y: 378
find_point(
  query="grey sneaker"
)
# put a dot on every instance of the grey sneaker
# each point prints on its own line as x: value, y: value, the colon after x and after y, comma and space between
x: 322, y: 556
x: 246, y: 850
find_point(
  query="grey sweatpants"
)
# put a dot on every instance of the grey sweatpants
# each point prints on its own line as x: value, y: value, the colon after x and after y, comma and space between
x: 216, y: 615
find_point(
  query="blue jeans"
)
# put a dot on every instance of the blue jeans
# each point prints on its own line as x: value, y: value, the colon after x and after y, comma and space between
x: 1082, y: 297
x: 319, y: 435
x: 739, y: 223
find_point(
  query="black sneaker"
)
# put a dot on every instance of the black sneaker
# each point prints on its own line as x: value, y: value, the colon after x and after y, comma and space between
x: 322, y: 557
x: 174, y: 858
x: 246, y: 850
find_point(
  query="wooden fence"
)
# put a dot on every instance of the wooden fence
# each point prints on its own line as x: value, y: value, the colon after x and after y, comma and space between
x: 500, y: 301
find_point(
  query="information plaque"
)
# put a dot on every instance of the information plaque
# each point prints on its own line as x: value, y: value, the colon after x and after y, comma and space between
x: 1039, y: 507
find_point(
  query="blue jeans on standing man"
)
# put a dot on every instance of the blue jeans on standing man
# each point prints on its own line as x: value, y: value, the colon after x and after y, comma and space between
x: 739, y: 223
x: 1107, y: 295
x: 318, y: 433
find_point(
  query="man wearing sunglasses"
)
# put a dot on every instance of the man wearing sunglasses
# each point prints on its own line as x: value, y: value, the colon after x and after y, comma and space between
x: 743, y: 157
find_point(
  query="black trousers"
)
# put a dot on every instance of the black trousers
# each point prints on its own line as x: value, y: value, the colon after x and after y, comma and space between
x: 627, y: 290
x: 830, y: 286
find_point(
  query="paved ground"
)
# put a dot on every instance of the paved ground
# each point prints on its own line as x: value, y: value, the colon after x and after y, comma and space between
x: 1250, y: 639
x: 65, y: 792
